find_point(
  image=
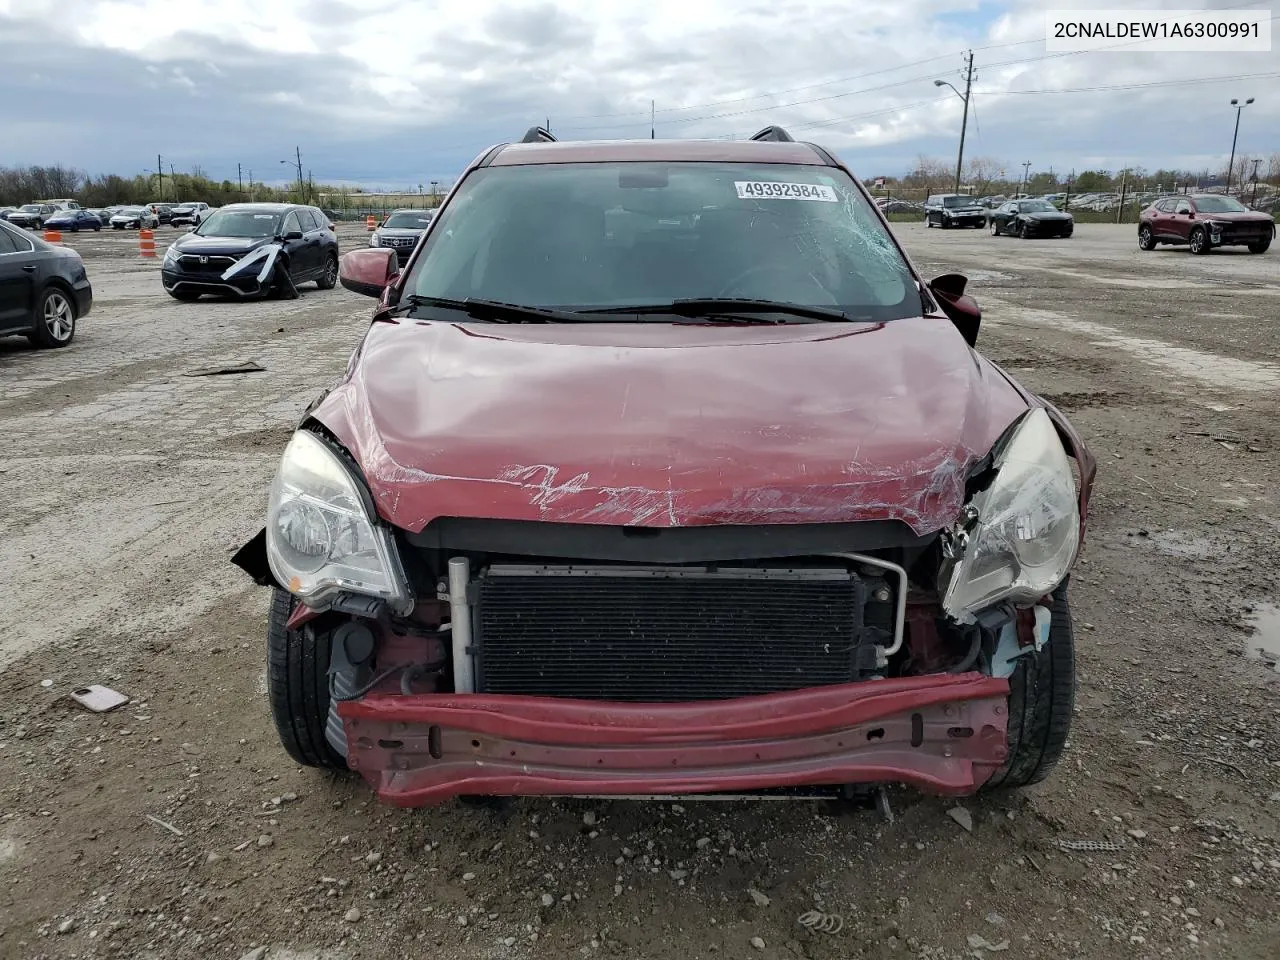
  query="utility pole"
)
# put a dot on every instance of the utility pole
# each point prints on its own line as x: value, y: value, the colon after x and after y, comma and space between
x: 1071, y: 176
x: 651, y: 112
x: 160, y: 171
x: 964, y: 122
x: 240, y: 180
x: 1026, y: 170
x: 298, y: 152
x: 1124, y: 186
x: 1254, y: 203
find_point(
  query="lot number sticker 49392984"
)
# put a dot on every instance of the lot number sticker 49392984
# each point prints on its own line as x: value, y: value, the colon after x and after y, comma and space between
x: 773, y: 190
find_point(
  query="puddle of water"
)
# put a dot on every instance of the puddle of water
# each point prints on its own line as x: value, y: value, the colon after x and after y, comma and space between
x: 1207, y: 368
x: 1265, y: 643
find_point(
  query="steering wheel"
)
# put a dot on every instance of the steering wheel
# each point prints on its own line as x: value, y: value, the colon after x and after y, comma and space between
x: 788, y: 276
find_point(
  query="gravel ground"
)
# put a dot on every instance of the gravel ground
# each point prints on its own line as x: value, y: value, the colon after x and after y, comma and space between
x: 176, y: 827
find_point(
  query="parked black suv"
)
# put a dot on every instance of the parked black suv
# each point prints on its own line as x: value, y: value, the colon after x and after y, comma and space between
x: 954, y: 210
x: 205, y: 260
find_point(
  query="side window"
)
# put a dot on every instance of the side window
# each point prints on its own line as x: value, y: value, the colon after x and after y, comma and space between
x: 1184, y: 206
x: 291, y: 223
x: 1013, y: 208
x: 7, y: 244
x: 307, y: 221
x: 931, y: 202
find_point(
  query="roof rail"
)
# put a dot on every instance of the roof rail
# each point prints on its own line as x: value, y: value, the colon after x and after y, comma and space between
x: 538, y: 135
x: 773, y: 133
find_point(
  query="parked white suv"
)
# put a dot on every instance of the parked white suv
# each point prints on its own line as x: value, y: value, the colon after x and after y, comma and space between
x: 189, y: 214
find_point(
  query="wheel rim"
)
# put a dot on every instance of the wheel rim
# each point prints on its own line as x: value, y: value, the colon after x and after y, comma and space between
x: 1145, y: 236
x: 58, y: 318
x: 1197, y: 241
x: 330, y: 271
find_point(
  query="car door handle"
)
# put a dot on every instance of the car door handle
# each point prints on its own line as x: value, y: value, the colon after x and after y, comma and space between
x: 29, y: 268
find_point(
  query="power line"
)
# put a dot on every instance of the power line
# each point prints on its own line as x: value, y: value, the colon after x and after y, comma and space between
x: 1135, y: 86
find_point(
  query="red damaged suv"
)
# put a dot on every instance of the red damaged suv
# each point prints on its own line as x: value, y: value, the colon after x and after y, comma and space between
x: 660, y: 470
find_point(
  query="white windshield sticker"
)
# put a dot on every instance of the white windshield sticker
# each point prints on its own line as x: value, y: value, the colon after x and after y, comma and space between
x: 773, y: 190
x: 264, y: 216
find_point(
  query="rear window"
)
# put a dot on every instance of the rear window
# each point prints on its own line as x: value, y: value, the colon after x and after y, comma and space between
x: 958, y: 202
x: 408, y: 221
x: 621, y: 234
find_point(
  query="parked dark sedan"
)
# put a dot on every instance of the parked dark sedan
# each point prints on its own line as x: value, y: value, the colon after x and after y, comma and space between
x: 209, y: 259
x: 1031, y: 218
x: 401, y: 231
x: 74, y: 220
x: 44, y: 289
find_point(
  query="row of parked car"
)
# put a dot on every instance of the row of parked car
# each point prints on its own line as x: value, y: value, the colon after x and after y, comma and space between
x: 69, y: 215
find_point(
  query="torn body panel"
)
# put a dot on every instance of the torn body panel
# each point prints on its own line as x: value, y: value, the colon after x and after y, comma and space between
x: 668, y: 425
x: 942, y: 734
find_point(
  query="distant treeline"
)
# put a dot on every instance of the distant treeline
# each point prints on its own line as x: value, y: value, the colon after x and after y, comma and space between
x: 19, y: 185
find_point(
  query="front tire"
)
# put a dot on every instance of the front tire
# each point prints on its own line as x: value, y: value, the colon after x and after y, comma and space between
x: 55, y: 319
x: 1261, y: 246
x: 1146, y: 239
x: 298, y: 686
x: 329, y: 278
x: 1041, y: 699
x: 1023, y: 233
x: 995, y: 228
x: 1199, y: 241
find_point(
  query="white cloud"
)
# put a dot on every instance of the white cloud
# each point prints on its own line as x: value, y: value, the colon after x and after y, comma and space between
x: 853, y: 74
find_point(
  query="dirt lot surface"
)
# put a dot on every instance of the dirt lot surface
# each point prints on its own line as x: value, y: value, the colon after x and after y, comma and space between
x: 176, y: 827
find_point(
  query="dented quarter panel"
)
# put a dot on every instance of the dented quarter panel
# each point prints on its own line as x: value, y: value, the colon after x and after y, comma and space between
x: 666, y: 425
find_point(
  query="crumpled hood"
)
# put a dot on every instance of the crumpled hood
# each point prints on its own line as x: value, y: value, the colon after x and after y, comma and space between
x: 1247, y: 216
x: 667, y: 425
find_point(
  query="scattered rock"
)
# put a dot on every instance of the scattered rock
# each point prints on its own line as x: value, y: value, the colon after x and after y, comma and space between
x: 257, y: 953
x: 1137, y: 834
x: 703, y: 843
x: 978, y: 942
x: 590, y: 819
x: 67, y: 926
x: 212, y: 857
x: 995, y: 919
x: 373, y: 857
x: 548, y: 900
x: 468, y: 877
x: 757, y: 942
x: 353, y: 915
x: 678, y: 874
x: 265, y: 840
x: 461, y: 919
x: 509, y: 942
x: 758, y: 898
x: 963, y: 817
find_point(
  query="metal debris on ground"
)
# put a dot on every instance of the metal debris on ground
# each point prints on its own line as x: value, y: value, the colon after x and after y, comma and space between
x: 98, y: 698
x: 820, y: 922
x: 1090, y: 846
x: 248, y: 366
x: 979, y: 942
x: 168, y: 826
x: 963, y: 817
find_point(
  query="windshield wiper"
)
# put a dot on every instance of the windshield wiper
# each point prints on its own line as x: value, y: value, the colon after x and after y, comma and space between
x: 494, y: 311
x: 725, y: 308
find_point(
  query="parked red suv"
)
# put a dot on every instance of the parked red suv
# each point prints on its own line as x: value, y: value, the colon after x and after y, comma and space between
x: 659, y: 470
x: 1204, y: 221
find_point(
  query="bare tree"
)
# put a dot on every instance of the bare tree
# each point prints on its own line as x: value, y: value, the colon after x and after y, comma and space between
x: 982, y: 172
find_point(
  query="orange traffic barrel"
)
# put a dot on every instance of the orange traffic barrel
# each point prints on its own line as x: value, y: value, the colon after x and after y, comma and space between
x: 52, y: 236
x: 371, y: 223
x: 147, y: 243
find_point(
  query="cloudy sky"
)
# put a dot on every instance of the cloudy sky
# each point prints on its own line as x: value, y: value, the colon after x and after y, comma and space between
x: 401, y: 92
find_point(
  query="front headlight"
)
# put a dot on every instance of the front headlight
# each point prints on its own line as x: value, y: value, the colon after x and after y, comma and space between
x: 1022, y: 531
x: 321, y: 537
x: 171, y: 254
x: 374, y: 240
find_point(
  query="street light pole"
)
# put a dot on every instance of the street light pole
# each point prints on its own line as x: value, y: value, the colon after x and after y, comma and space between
x: 1026, y: 168
x: 1254, y: 203
x: 1232, y: 162
x: 964, y: 122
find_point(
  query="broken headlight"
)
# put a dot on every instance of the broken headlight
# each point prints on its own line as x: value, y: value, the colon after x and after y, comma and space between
x: 321, y: 536
x: 1018, y: 537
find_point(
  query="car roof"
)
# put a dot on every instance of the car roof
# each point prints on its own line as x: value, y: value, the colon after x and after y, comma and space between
x: 262, y: 207
x: 675, y: 151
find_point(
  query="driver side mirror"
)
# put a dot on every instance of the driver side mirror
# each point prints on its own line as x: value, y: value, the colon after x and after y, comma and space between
x: 960, y: 309
x: 292, y: 235
x: 368, y: 272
